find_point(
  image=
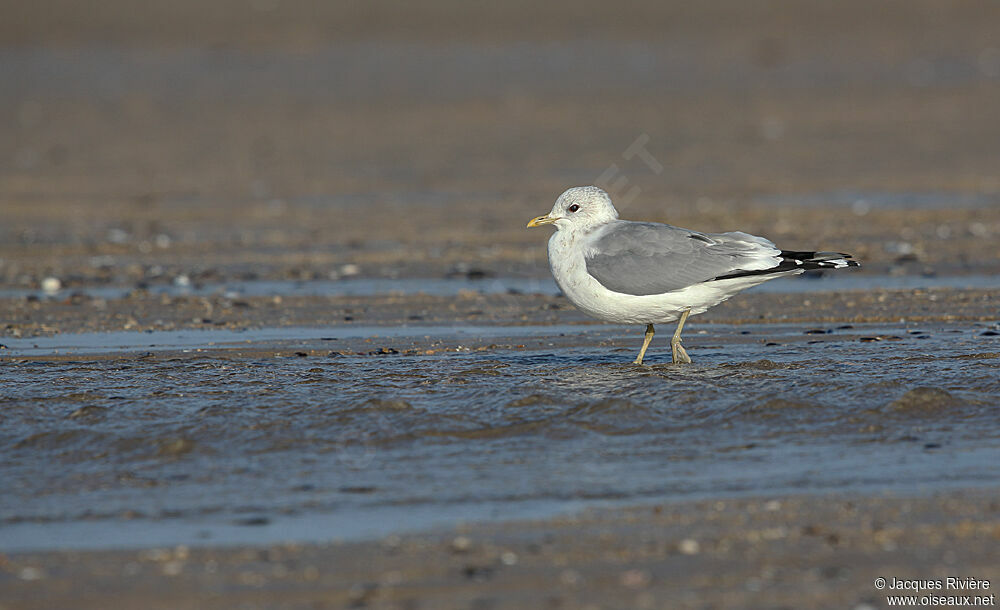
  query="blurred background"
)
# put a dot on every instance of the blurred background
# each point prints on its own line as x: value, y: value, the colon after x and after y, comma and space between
x: 305, y: 139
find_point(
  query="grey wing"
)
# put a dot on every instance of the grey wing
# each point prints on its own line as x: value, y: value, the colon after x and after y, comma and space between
x: 643, y: 258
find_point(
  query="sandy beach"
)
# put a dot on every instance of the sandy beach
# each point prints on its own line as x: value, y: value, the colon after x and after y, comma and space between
x: 823, y: 552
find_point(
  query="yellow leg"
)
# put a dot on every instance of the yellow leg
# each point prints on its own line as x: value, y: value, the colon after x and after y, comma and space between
x: 645, y: 344
x: 677, y: 350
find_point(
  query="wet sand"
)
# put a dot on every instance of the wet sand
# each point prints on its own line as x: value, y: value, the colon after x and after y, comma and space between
x: 142, y: 311
x: 485, y: 447
x: 785, y: 552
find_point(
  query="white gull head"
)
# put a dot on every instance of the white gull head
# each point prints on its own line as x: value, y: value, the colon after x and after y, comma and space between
x: 580, y: 208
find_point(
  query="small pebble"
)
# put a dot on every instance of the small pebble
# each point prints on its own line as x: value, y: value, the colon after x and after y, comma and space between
x: 508, y: 558
x: 689, y: 546
x: 31, y: 573
x: 478, y: 573
x: 461, y: 544
x: 51, y: 285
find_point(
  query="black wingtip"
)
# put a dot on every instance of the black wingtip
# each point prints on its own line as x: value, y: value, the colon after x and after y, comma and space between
x: 792, y: 260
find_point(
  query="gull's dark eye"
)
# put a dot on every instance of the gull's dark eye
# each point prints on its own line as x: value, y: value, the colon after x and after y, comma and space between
x: 573, y: 208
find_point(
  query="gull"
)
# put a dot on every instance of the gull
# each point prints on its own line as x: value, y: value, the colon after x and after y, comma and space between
x: 649, y: 273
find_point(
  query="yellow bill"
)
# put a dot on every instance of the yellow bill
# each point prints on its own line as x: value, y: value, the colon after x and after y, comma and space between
x: 542, y: 220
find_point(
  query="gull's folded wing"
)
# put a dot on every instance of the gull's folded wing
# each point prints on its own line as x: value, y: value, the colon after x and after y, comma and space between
x: 643, y: 258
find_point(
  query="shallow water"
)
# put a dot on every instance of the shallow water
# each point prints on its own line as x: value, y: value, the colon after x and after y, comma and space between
x: 166, y: 446
x: 813, y: 282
